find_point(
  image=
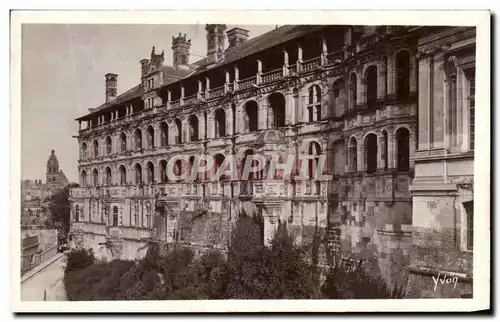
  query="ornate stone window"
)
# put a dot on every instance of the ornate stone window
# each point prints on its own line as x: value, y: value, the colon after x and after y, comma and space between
x: 115, y: 216
x: 193, y: 128
x: 220, y: 123
x: 138, y: 139
x: 163, y: 134
x: 151, y: 137
x: 371, y: 153
x: 250, y: 116
x: 123, y: 142
x: 109, y: 146
x: 314, y: 104
x: 109, y: 178
x: 96, y: 148
x: 123, y: 175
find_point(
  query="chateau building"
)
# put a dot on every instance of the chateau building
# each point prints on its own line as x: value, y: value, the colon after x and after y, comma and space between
x: 359, y: 95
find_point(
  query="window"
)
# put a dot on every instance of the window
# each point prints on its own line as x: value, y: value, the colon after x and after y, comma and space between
x: 250, y: 116
x: 96, y: 148
x: 138, y: 139
x: 151, y: 137
x: 151, y: 173
x: 163, y: 171
x: 77, y: 213
x: 108, y: 176
x: 115, y: 216
x: 314, y: 103
x: 138, y: 174
x: 471, y: 77
x: 123, y: 175
x: 83, y: 154
x: 95, y: 175
x: 371, y: 153
x: 403, y: 149
x: 220, y: 123
x: 83, y: 182
x: 469, y: 209
x: 123, y: 142
x: 314, y: 149
x: 109, y: 146
x: 403, y: 74
x: 193, y: 128
x: 371, y: 86
x: 163, y: 134
x: 178, y: 126
x: 277, y: 110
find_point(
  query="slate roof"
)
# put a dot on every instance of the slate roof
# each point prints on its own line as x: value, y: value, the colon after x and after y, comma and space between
x: 263, y: 42
x: 249, y: 47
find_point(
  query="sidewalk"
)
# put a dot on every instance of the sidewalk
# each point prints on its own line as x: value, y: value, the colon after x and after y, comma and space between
x: 37, y: 269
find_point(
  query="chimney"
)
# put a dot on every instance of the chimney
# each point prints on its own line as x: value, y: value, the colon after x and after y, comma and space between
x: 111, y: 85
x: 180, y: 48
x: 215, y: 42
x: 236, y: 36
x: 144, y: 66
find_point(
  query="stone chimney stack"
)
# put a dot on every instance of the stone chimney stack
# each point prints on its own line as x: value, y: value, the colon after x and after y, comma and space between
x: 180, y: 48
x: 215, y: 42
x: 236, y: 36
x: 111, y: 86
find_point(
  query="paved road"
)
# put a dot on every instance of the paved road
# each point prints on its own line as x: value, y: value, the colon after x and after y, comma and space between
x: 49, y: 279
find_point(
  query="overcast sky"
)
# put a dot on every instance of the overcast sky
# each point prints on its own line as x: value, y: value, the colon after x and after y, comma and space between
x: 63, y: 69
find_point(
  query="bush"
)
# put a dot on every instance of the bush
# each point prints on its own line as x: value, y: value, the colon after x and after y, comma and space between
x: 341, y: 283
x: 77, y: 259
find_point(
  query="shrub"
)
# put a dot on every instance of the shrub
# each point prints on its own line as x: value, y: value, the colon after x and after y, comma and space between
x: 341, y: 283
x: 77, y: 259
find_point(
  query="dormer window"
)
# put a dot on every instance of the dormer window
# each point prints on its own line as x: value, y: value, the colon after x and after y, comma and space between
x: 151, y: 83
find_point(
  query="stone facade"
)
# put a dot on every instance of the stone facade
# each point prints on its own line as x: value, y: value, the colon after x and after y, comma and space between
x: 348, y: 92
x: 443, y: 186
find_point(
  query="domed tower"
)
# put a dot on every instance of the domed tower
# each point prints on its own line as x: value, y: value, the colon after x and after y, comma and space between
x: 52, y: 172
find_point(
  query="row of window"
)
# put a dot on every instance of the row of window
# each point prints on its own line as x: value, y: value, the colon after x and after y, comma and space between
x: 137, y: 218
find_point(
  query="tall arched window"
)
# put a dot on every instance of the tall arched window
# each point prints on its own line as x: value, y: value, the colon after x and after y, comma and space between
x: 163, y: 134
x: 83, y: 181
x: 220, y: 123
x: 96, y: 148
x: 115, y: 216
x: 371, y: 153
x: 403, y: 74
x: 371, y: 86
x: 248, y: 157
x: 353, y: 91
x: 403, y: 149
x: 95, y: 178
x: 177, y: 170
x: 250, y: 116
x: 178, y: 134
x: 219, y: 158
x: 138, y: 174
x: 384, y: 150
x: 353, y: 154
x: 151, y: 137
x: 338, y: 93
x: 123, y: 142
x: 123, y: 175
x: 314, y: 150
x: 108, y: 176
x: 83, y: 151
x: 314, y: 103
x: 163, y: 171
x: 77, y: 213
x: 193, y: 128
x: 138, y: 139
x: 151, y: 172
x: 109, y: 146
x: 276, y: 110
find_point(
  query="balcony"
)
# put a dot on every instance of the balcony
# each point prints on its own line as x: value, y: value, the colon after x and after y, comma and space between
x: 247, y: 82
x: 216, y: 92
x: 383, y: 186
x: 191, y: 99
x: 311, y: 64
x: 269, y: 189
x: 272, y: 76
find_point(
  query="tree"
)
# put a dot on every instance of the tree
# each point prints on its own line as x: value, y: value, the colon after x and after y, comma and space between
x: 59, y: 207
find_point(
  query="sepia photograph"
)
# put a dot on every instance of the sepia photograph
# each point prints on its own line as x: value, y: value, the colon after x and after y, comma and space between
x: 190, y: 163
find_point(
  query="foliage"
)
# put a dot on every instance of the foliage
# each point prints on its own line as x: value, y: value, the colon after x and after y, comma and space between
x: 342, y: 283
x: 59, y: 207
x: 251, y: 270
x: 78, y: 259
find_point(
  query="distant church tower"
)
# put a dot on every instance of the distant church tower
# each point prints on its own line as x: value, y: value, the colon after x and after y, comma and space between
x: 52, y: 174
